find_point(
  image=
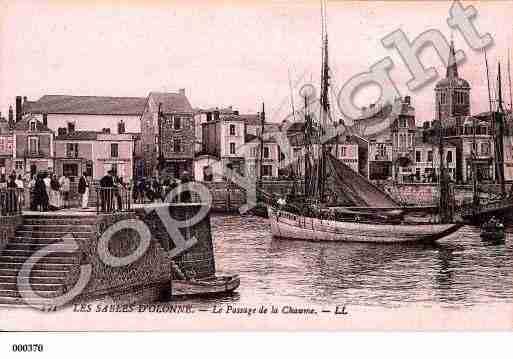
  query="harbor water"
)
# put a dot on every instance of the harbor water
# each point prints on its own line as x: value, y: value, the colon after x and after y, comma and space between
x: 460, y: 270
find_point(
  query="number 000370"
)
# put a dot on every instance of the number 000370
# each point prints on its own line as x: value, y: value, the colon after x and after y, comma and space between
x: 23, y: 348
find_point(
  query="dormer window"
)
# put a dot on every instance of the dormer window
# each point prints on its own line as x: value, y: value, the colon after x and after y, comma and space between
x: 71, y: 127
x: 33, y: 125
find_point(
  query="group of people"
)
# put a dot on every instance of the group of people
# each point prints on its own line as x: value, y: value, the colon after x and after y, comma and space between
x: 49, y: 193
x: 159, y: 188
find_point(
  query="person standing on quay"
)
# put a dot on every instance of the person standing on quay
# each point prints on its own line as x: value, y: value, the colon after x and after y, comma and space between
x: 83, y: 190
x: 65, y: 186
x: 106, y: 193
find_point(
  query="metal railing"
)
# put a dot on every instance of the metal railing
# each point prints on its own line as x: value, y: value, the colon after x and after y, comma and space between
x: 113, y: 199
x: 11, y: 201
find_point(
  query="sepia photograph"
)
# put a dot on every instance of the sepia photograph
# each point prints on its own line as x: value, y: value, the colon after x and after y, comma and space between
x: 255, y: 166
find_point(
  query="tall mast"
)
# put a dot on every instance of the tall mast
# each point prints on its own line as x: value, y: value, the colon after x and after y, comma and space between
x: 262, y: 119
x: 444, y: 205
x: 325, y: 107
x: 509, y: 77
x: 499, y: 135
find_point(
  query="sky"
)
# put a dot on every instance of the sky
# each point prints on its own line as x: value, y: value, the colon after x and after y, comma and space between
x: 238, y: 53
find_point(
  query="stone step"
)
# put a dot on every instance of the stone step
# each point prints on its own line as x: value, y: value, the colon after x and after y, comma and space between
x: 56, y: 251
x: 30, y: 246
x: 60, y: 228
x: 15, y: 293
x: 41, y: 240
x: 33, y: 279
x: 59, y: 221
x: 49, y: 259
x: 57, y: 235
x: 45, y: 287
x: 9, y: 302
x: 39, y: 266
x: 40, y: 273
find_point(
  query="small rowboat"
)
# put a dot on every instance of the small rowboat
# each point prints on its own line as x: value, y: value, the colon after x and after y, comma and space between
x: 288, y: 225
x: 205, y: 287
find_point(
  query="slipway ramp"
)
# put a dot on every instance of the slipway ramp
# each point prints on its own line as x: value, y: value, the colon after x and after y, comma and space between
x: 355, y: 188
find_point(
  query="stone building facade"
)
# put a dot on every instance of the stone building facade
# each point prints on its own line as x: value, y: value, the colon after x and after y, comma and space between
x: 168, y: 134
x: 33, y: 148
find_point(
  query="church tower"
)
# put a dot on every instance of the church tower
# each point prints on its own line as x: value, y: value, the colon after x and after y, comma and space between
x: 452, y: 93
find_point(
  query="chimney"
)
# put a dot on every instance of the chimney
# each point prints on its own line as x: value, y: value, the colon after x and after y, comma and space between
x: 181, y: 92
x: 45, y: 119
x: 18, y: 108
x: 11, y: 117
x: 121, y: 127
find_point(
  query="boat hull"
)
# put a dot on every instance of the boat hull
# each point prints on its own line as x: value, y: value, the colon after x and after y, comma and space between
x: 292, y: 226
x: 207, y: 287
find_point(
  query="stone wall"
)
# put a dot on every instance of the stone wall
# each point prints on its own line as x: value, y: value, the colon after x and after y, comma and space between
x: 426, y: 194
x: 147, y: 278
x: 8, y: 226
x: 229, y: 197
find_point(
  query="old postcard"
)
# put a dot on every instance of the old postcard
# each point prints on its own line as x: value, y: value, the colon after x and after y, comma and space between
x: 255, y: 165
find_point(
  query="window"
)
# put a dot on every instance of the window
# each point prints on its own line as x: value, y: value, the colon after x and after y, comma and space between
x: 448, y: 158
x: 232, y: 148
x: 232, y: 130
x: 114, y: 150
x: 266, y: 152
x: 343, y: 152
x: 267, y: 170
x: 72, y: 150
x: 177, y: 146
x: 485, y: 149
x: 89, y: 169
x: 70, y: 169
x: 19, y: 165
x: 402, y: 122
x: 402, y: 140
x: 381, y: 149
x: 207, y: 174
x: 176, y: 123
x: 33, y: 145
x: 418, y: 156
x: 71, y: 127
x: 430, y: 156
x: 33, y: 126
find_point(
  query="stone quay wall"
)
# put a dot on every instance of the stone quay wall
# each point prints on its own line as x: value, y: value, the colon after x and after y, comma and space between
x: 8, y: 226
x: 147, y: 279
x: 426, y: 194
x: 228, y: 197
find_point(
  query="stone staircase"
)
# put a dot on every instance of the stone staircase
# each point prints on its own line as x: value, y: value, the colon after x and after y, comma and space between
x: 49, y: 273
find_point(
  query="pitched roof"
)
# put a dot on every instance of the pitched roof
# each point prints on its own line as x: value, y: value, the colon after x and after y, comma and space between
x: 86, y: 105
x: 78, y: 136
x: 172, y: 102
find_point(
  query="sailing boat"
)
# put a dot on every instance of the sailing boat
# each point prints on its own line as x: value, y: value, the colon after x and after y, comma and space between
x: 377, y: 217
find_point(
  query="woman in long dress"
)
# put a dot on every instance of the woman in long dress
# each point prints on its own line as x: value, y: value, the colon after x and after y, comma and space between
x: 55, y: 195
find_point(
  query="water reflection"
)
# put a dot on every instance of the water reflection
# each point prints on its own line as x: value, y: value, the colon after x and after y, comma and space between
x: 460, y: 270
